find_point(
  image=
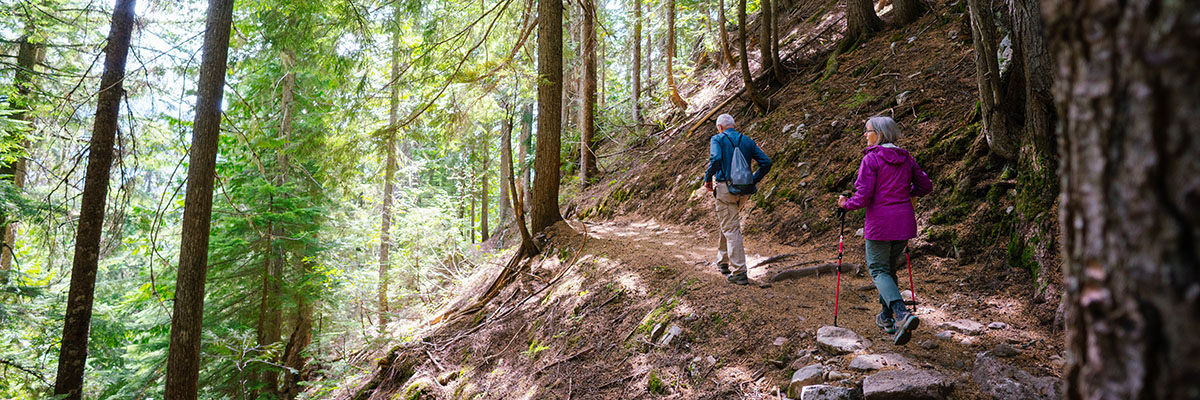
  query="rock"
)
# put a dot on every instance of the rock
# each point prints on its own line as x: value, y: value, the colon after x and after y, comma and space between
x: 1004, y: 381
x: 859, y: 232
x: 670, y: 336
x: 1004, y: 350
x: 907, y: 295
x: 946, y: 335
x: 965, y: 326
x: 810, y: 375
x: 998, y: 325
x: 902, y: 96
x: 657, y: 331
x: 906, y: 384
x: 837, y: 340
x: 803, y: 169
x: 779, y: 341
x: 446, y: 378
x: 787, y: 128
x: 968, y: 340
x: 826, y: 392
x: 927, y: 344
x: 710, y: 360
x: 871, y: 362
x: 835, y: 376
x: 1057, y: 362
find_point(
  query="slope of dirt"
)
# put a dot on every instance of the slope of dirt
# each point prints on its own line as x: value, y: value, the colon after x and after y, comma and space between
x: 581, y: 322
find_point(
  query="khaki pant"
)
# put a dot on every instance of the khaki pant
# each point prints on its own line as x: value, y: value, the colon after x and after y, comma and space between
x: 729, y: 220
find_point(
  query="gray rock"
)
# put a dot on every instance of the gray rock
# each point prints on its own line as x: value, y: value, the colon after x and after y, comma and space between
x: 657, y: 331
x: 871, y: 362
x: 787, y: 128
x: 810, y: 375
x: 947, y: 335
x: 902, y: 96
x: 835, y: 376
x: 779, y: 341
x: 803, y: 169
x: 927, y: 344
x: 965, y: 326
x: 907, y: 295
x: 826, y: 392
x: 906, y: 384
x: 998, y: 325
x: 837, y: 340
x: 670, y: 336
x: 859, y: 232
x: 710, y: 360
x: 1004, y: 350
x: 969, y: 340
x: 1004, y: 381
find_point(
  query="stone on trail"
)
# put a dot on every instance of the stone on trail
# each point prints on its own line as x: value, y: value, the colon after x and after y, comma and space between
x: 859, y: 232
x: 1004, y: 381
x: 779, y: 341
x: 836, y: 340
x: 827, y: 392
x: 1005, y: 350
x: 835, y: 376
x: 906, y: 384
x: 965, y: 326
x: 927, y: 344
x: 871, y: 362
x: 907, y: 295
x: 671, y: 335
x: 947, y: 335
x: 997, y: 325
x: 810, y: 375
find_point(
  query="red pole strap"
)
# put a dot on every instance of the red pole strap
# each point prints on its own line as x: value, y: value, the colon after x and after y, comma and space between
x: 911, y: 287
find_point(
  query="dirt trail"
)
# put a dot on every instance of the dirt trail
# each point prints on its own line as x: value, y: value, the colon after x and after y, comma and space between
x: 592, y: 335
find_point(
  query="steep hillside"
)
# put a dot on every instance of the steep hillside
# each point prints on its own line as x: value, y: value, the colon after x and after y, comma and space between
x: 624, y: 302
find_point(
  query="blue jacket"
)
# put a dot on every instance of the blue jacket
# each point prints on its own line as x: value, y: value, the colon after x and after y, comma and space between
x: 720, y: 149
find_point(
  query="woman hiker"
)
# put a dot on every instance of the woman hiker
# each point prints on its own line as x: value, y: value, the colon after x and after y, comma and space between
x: 888, y: 178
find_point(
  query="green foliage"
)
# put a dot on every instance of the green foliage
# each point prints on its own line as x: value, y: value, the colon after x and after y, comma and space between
x: 656, y: 385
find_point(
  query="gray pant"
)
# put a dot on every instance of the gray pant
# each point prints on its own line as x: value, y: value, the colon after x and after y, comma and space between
x: 884, y: 258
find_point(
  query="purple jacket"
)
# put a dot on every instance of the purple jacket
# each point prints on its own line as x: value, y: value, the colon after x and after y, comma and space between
x: 888, y: 178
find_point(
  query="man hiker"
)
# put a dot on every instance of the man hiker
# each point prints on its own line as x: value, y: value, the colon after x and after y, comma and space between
x: 728, y: 165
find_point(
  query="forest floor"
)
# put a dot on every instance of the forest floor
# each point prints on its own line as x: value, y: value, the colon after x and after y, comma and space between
x: 581, y: 322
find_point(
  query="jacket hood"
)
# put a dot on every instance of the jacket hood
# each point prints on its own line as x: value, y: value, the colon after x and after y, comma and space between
x: 890, y: 155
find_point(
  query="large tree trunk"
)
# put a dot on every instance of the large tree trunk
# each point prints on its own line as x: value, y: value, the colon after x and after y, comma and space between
x: 983, y: 32
x: 637, y: 61
x: 546, y: 165
x: 183, y: 359
x: 776, y: 9
x: 747, y: 79
x: 1127, y: 95
x: 389, y: 177
x: 587, y: 113
x: 301, y: 336
x: 905, y: 12
x: 28, y: 56
x: 861, y: 22
x: 724, y: 32
x: 670, y: 70
x: 73, y: 351
x: 764, y: 35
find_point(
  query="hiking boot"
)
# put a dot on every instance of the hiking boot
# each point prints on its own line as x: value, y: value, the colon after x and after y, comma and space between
x: 887, y: 323
x: 905, y: 323
x: 739, y: 278
x: 724, y: 268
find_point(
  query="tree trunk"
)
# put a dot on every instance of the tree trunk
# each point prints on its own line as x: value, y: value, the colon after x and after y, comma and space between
x: 506, y: 205
x: 764, y: 35
x: 861, y: 22
x: 649, y: 61
x: 546, y: 165
x: 389, y: 177
x: 670, y: 70
x: 724, y: 32
x: 183, y: 359
x: 526, y: 189
x: 637, y: 61
x: 28, y: 56
x: 1127, y: 93
x: 983, y: 32
x: 301, y: 336
x: 484, y: 190
x: 74, y: 348
x: 587, y: 114
x: 905, y: 12
x: 776, y: 9
x: 747, y: 79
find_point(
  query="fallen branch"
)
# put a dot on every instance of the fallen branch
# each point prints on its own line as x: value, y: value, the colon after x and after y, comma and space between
x: 817, y: 270
x: 776, y: 258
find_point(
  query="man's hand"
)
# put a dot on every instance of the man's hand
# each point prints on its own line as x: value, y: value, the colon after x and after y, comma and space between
x: 708, y: 185
x: 842, y: 202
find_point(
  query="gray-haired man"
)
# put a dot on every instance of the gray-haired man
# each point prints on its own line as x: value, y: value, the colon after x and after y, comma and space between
x: 729, y: 205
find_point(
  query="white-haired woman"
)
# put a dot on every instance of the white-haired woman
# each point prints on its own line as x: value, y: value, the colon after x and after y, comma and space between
x: 888, y: 179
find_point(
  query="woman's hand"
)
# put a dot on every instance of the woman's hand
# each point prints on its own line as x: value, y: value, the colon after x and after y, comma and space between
x: 842, y: 201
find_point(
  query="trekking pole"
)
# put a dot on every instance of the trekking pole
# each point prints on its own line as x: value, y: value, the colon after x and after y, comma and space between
x: 912, y: 288
x: 837, y: 289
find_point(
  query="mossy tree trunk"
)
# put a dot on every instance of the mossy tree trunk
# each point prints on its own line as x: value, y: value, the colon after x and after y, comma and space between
x: 587, y: 113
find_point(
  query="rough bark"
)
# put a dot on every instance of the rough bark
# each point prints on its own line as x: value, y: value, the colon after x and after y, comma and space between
x: 506, y: 127
x: 28, y: 56
x: 587, y: 113
x: 983, y: 33
x: 747, y: 79
x: 183, y: 359
x: 764, y: 35
x: 724, y: 32
x: 526, y: 144
x: 484, y: 190
x: 74, y: 348
x: 905, y: 12
x: 861, y: 22
x: 547, y: 160
x: 670, y: 70
x: 776, y: 9
x: 637, y: 61
x: 389, y: 177
x: 300, y: 338
x: 1126, y: 92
